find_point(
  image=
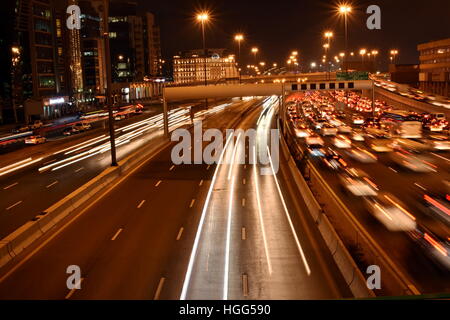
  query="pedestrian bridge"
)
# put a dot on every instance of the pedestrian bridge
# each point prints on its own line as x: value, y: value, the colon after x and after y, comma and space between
x: 259, y: 89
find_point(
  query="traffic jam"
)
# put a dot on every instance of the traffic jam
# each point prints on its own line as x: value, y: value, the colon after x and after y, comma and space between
x: 392, y: 165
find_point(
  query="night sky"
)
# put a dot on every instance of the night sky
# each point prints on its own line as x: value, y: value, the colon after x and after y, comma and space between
x: 277, y: 27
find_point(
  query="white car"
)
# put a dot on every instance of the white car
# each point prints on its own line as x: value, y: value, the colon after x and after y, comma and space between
x: 440, y: 143
x: 362, y: 155
x: 342, y: 142
x: 344, y: 129
x: 358, y: 183
x: 81, y: 126
x: 390, y: 212
x: 35, y: 140
x: 328, y: 130
x: 381, y: 145
x: 358, y: 136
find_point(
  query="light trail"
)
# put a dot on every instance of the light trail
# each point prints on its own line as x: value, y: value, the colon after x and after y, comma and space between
x: 228, y: 241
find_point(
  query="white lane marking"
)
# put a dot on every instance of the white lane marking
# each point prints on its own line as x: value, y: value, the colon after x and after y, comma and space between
x: 297, y: 241
x: 418, y: 185
x: 15, y: 204
x: 159, y: 288
x: 10, y: 186
x: 201, y: 183
x: 52, y: 184
x: 244, y: 233
x: 441, y: 157
x: 71, y: 292
x: 243, y: 202
x: 414, y: 289
x: 141, y: 204
x: 392, y: 169
x: 192, y: 203
x: 158, y: 183
x: 187, y: 278
x: 180, y: 233
x: 233, y: 156
x: 172, y: 167
x: 228, y: 242
x: 117, y: 234
x: 261, y: 220
x: 245, y: 285
x: 79, y: 169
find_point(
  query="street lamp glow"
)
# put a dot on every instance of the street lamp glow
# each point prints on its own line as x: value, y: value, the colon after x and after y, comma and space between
x: 342, y: 54
x: 313, y: 64
x: 15, y: 50
x: 328, y: 34
x: 326, y: 46
x: 374, y: 52
x: 295, y: 53
x: 362, y: 52
x: 275, y: 65
x: 255, y: 50
x: 344, y: 9
x: 202, y: 16
x: 239, y: 37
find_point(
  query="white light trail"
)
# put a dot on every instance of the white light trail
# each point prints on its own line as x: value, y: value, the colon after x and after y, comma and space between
x: 228, y: 241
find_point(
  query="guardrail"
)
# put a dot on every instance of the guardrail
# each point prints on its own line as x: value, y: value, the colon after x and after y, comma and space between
x: 325, y: 207
x: 344, y: 261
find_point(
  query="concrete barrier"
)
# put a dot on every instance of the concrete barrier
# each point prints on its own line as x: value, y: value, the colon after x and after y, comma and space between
x: 344, y: 261
x: 5, y: 254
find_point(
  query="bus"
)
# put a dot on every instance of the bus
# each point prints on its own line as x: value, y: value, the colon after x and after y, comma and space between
x: 402, y: 123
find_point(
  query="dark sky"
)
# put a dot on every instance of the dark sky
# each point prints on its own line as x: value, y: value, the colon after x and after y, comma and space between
x: 277, y: 27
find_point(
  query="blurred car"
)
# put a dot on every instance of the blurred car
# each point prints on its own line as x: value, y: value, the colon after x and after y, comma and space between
x: 387, y: 209
x: 35, y: 140
x: 36, y: 124
x: 439, y: 142
x: 362, y: 155
x: 318, y: 124
x: 344, y: 129
x: 333, y: 160
x: 70, y: 131
x: 357, y: 136
x: 358, y: 183
x: 437, y: 247
x: 342, y: 142
x: 302, y: 131
x: 341, y: 115
x: 315, y: 146
x: 328, y: 130
x: 380, y: 145
x: 82, y: 126
x: 358, y: 120
x: 21, y: 129
x: 438, y: 206
x: 414, y: 162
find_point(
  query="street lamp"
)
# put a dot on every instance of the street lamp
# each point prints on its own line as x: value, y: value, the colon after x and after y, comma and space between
x: 345, y: 10
x: 203, y: 17
x: 239, y: 38
x: 255, y: 51
x: 362, y: 52
x: 394, y: 53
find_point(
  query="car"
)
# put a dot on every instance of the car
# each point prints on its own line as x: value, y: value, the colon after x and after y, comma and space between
x: 380, y: 145
x: 414, y: 162
x: 342, y: 142
x: 328, y: 130
x: 362, y: 155
x: 436, y: 247
x: 315, y: 146
x: 357, y: 183
x: 438, y: 205
x: 36, y: 124
x: 344, y: 129
x: 21, y: 129
x: 302, y: 131
x: 82, y: 126
x: 357, y: 120
x: 357, y: 136
x: 438, y: 142
x: 333, y: 160
x: 377, y: 133
x: 319, y: 123
x: 391, y: 212
x: 341, y: 115
x: 35, y: 140
x: 70, y: 131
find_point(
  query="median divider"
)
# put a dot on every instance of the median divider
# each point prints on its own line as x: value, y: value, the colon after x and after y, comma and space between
x: 344, y: 261
x: 20, y: 239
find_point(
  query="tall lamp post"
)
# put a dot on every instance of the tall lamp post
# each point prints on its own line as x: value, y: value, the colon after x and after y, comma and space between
x: 203, y: 17
x: 345, y: 10
x: 239, y: 38
x: 108, y: 81
x: 328, y: 35
x: 255, y: 51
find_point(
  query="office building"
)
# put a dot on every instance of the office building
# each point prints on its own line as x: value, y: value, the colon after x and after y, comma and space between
x: 434, y: 74
x: 191, y: 67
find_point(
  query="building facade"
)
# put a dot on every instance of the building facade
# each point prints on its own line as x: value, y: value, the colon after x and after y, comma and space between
x: 434, y: 73
x: 191, y: 67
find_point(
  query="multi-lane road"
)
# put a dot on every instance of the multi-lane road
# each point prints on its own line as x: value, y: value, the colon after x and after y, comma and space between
x: 409, y: 187
x: 188, y: 231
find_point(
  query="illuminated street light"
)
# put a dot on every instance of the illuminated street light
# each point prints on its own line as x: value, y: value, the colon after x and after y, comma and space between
x: 239, y: 38
x: 345, y: 10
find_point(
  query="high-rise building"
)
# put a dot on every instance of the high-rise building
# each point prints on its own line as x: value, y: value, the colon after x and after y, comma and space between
x: 191, y: 66
x: 434, y: 73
